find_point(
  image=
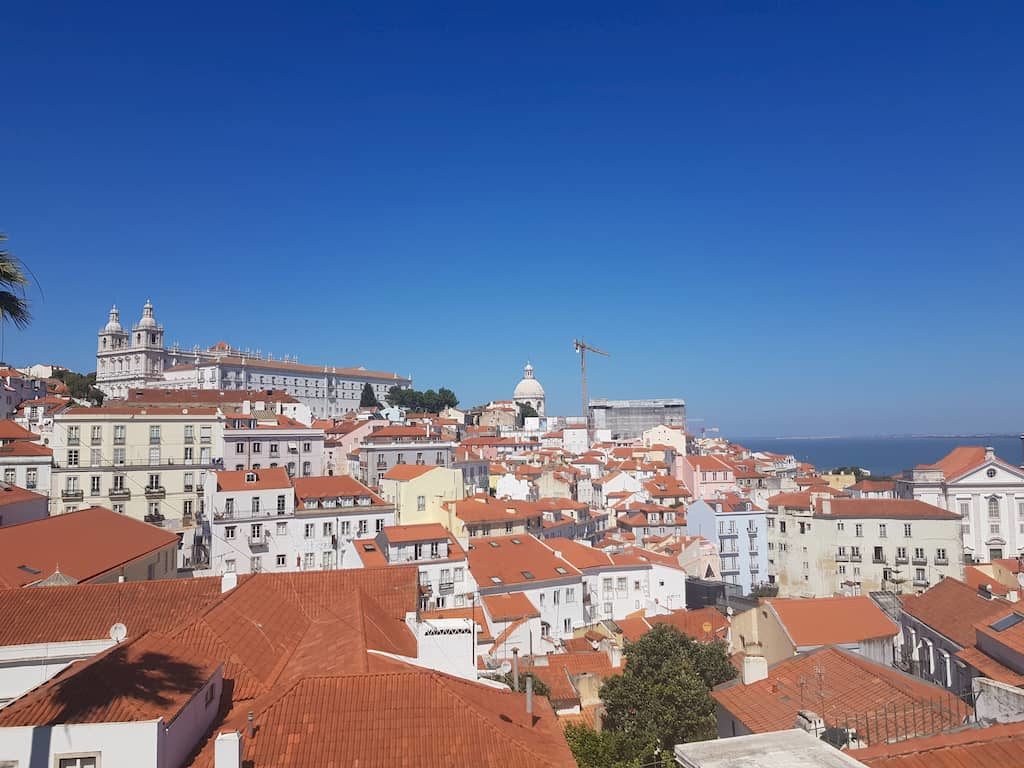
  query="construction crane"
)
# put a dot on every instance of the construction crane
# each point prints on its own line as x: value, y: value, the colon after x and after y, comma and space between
x: 582, y: 348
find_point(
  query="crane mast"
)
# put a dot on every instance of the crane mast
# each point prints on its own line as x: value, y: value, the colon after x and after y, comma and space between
x: 581, y: 347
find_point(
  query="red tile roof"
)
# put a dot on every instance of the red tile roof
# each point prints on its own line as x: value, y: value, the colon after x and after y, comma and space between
x: 559, y: 670
x: 510, y: 606
x: 15, y: 494
x: 146, y: 678
x: 24, y: 448
x: 836, y: 685
x: 407, y: 471
x: 873, y: 485
x: 270, y: 478
x: 10, y: 430
x: 794, y: 500
x: 515, y: 560
x: 952, y: 608
x: 330, y: 487
x: 444, y: 720
x: 989, y: 667
x: 407, y: 534
x: 893, y: 509
x: 832, y: 620
x: 959, y: 461
x: 83, y: 545
x: 975, y: 577
x: 580, y: 555
x: 994, y: 745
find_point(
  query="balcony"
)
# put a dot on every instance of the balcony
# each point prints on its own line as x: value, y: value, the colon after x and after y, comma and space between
x: 118, y: 440
x: 920, y: 560
x: 72, y: 494
x: 732, y: 570
x: 855, y: 558
x: 154, y: 519
x: 262, y: 541
x: 878, y: 559
x: 189, y: 488
x: 156, y: 492
x: 902, y: 560
x: 842, y: 557
x: 728, y: 534
x: 73, y: 440
x: 942, y: 561
x: 96, y: 441
x: 920, y: 582
x: 446, y: 588
x: 119, y: 494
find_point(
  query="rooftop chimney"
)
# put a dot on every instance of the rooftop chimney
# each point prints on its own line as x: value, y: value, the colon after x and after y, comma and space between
x: 529, y: 695
x: 755, y: 669
x: 990, y: 453
x: 227, y: 750
x: 515, y: 670
x: 250, y: 725
x: 228, y: 582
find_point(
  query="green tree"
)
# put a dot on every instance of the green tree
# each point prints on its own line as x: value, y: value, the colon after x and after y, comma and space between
x: 525, y: 411
x: 539, y: 686
x: 421, y: 402
x: 13, y: 282
x: 663, y: 696
x: 609, y: 749
x: 81, y: 386
x: 446, y: 398
x: 368, y: 399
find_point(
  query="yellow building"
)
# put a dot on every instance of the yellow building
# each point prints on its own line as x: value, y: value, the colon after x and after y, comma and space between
x: 840, y: 481
x: 420, y: 491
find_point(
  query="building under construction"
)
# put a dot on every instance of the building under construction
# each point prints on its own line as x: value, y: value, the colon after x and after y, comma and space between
x: 627, y: 419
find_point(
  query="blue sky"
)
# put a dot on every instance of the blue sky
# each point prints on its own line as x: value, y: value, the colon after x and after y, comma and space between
x: 804, y: 219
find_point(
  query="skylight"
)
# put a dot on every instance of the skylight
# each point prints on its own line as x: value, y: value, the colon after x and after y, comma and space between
x: 527, y: 574
x: 1006, y: 622
x: 496, y: 579
x: 494, y: 544
x: 29, y: 569
x: 560, y: 569
x: 516, y: 541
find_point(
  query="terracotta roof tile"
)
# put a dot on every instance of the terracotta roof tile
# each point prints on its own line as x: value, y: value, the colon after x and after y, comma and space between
x: 510, y: 606
x: 407, y: 471
x: 832, y: 620
x: 952, y: 608
x: 262, y: 479
x: 515, y: 560
x: 995, y: 745
x: 83, y: 544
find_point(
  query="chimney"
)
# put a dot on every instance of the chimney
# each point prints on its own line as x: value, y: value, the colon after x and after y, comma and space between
x: 826, y: 506
x: 755, y: 669
x: 515, y: 670
x: 990, y: 453
x: 810, y: 722
x: 529, y: 695
x: 228, y: 582
x: 250, y: 725
x: 227, y: 750
x: 985, y: 591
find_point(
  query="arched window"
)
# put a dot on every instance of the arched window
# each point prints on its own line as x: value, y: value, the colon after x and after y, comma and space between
x: 993, y: 507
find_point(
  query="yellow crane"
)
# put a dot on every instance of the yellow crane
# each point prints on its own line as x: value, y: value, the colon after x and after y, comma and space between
x: 582, y: 348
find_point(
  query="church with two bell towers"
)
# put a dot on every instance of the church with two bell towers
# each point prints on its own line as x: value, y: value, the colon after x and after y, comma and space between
x: 130, y: 360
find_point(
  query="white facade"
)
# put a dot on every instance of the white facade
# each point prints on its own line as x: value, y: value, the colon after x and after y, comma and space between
x: 252, y: 442
x: 126, y: 360
x: 262, y: 529
x: 989, y: 498
x: 529, y: 391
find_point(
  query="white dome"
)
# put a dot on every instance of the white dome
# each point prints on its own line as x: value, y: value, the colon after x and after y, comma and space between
x: 147, y: 320
x: 528, y: 387
x: 114, y: 323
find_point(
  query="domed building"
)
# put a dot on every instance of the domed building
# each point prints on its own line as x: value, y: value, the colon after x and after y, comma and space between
x: 529, y: 391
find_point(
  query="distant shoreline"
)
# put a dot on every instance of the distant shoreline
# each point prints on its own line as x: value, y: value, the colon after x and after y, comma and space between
x: 951, y: 436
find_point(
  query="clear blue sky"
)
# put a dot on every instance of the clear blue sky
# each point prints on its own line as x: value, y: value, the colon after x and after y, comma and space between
x: 804, y: 219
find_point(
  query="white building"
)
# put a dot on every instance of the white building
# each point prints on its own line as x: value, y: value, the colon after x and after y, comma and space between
x: 445, y: 580
x: 856, y: 546
x: 529, y: 391
x: 266, y: 439
x: 986, y: 492
x: 126, y: 361
x: 263, y: 520
x: 522, y: 564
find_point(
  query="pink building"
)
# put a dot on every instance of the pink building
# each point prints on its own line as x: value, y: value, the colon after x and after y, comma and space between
x: 708, y: 476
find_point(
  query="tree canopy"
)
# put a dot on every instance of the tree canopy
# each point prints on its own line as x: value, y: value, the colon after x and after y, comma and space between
x: 81, y: 385
x: 368, y: 399
x: 526, y: 411
x: 422, y: 402
x: 662, y: 698
x: 13, y: 282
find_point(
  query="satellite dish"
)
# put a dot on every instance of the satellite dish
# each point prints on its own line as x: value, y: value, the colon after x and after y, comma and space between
x: 118, y: 632
x: 505, y: 668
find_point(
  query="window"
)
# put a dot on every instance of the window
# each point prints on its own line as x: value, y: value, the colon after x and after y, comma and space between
x: 97, y: 433
x: 881, y: 530
x: 434, y: 549
x: 73, y: 435
x: 901, y: 553
x: 327, y: 559
x: 154, y: 454
x: 280, y: 561
x: 421, y: 503
x: 840, y: 526
x: 328, y: 529
x: 346, y: 528
x: 918, y: 553
x: 965, y: 508
x: 239, y: 447
x: 907, y: 530
x: 256, y: 531
x: 993, y: 507
x: 990, y: 473
x: 119, y: 457
x: 307, y: 469
x: 280, y: 504
x: 256, y: 563
x: 782, y: 526
x: 842, y: 570
x: 1020, y: 510
x: 154, y: 482
x: 841, y: 552
x: 189, y: 433
x: 378, y: 526
x: 154, y: 435
x: 119, y: 433
x: 940, y: 554
x: 10, y: 475
x: 570, y: 595
x: 555, y: 597
x: 79, y: 761
x: 73, y: 457
x: 541, y: 599
x: 567, y: 625
x: 204, y: 434
x: 858, y: 530
x: 308, y: 561
x: 31, y: 478
x: 282, y: 529
x: 229, y: 532
x: 94, y: 485
x: 257, y: 447
x: 95, y: 457
x: 310, y: 530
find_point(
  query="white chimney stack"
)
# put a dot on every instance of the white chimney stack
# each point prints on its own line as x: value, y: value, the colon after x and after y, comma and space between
x: 990, y: 453
x: 228, y: 582
x: 227, y: 750
x: 755, y: 669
